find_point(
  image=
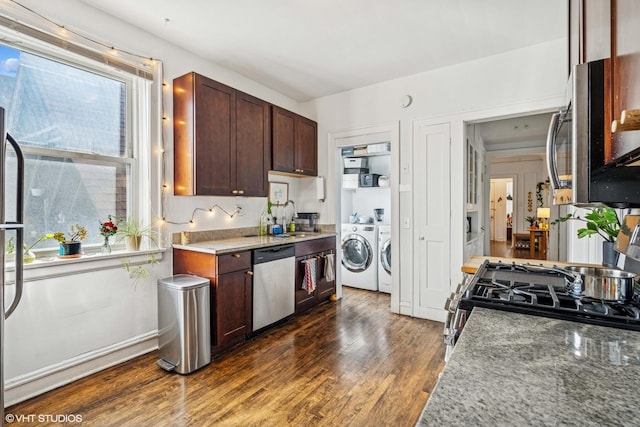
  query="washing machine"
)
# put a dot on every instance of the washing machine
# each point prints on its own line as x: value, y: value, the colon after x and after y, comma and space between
x: 360, y: 256
x: 384, y: 258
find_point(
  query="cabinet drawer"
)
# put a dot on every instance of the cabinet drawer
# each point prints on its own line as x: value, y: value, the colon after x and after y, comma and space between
x: 234, y: 262
x: 317, y: 245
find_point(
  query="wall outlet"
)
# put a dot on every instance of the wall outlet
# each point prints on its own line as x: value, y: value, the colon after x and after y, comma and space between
x: 240, y: 210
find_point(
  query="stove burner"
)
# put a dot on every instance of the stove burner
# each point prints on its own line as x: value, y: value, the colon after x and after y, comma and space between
x: 544, y: 291
x: 595, y: 308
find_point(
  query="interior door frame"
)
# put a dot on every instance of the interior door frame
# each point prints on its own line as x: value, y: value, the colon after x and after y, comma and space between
x: 358, y: 136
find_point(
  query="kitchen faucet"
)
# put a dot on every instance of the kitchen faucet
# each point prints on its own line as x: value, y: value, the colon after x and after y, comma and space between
x: 295, y: 214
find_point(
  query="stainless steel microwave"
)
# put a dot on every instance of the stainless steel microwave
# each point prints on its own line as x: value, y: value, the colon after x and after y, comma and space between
x: 582, y: 169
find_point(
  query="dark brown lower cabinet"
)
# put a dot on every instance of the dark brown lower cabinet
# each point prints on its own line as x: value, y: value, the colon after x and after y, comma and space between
x: 231, y: 292
x: 317, y: 249
x: 231, y: 295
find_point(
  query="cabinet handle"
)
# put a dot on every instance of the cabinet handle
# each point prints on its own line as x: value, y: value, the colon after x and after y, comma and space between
x: 240, y: 191
x: 235, y: 255
x: 250, y: 273
x: 234, y: 191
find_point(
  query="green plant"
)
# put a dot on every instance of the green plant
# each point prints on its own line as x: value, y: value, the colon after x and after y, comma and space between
x: 133, y: 228
x: 78, y: 232
x: 28, y: 255
x: 602, y: 221
x: 531, y: 220
x: 139, y: 273
x: 11, y: 247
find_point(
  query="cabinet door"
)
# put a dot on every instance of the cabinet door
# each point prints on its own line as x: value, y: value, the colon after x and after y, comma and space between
x: 232, y: 300
x: 253, y: 145
x: 576, y: 40
x: 295, y: 143
x: 215, y: 134
x: 626, y: 70
x: 283, y: 139
x: 325, y: 288
x: 304, y: 300
x: 597, y: 34
x: 306, y: 147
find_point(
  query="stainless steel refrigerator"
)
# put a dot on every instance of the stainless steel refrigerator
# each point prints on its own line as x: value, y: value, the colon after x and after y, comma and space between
x: 11, y: 225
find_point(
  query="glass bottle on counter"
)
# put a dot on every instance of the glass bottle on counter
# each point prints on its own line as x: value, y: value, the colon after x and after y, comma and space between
x: 266, y: 219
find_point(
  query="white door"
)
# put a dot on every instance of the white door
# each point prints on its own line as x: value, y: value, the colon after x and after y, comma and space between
x: 432, y: 207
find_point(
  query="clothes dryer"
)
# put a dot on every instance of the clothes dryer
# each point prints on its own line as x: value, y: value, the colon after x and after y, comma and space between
x: 360, y: 256
x: 384, y: 258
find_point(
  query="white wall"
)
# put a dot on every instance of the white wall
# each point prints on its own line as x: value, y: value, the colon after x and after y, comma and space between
x: 519, y: 81
x: 80, y: 323
x: 527, y: 174
x: 529, y: 79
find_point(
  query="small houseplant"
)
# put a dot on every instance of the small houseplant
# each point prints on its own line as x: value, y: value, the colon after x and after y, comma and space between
x: 70, y: 245
x: 601, y: 221
x: 531, y: 220
x: 132, y: 232
x: 28, y: 256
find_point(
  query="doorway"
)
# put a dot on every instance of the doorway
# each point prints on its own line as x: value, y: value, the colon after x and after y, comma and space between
x: 514, y: 149
x: 501, y: 206
x: 501, y: 196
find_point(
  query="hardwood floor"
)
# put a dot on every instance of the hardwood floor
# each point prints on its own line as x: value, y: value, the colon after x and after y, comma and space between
x: 346, y: 363
x: 506, y: 250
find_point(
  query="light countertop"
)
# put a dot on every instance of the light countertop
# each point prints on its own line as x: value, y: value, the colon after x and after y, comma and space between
x: 474, y: 262
x: 511, y: 369
x: 233, y: 244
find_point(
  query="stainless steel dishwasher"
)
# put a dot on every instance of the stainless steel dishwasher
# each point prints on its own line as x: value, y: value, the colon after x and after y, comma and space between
x: 273, y: 288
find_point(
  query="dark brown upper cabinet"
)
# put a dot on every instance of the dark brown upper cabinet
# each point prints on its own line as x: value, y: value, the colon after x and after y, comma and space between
x: 609, y: 29
x: 222, y: 139
x: 295, y: 143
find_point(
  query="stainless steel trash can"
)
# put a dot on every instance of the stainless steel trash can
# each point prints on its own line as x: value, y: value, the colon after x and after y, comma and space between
x: 184, y: 339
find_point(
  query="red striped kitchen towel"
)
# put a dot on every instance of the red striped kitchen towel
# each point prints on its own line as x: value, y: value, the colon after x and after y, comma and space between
x: 309, y: 280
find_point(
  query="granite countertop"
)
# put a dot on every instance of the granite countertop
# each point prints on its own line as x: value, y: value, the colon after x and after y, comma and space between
x: 512, y: 369
x: 232, y: 244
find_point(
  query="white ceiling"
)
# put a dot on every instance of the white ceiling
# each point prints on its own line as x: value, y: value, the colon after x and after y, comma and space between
x: 524, y: 131
x: 307, y: 49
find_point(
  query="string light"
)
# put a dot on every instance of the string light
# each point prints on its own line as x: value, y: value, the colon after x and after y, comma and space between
x: 209, y: 209
x: 115, y: 51
x: 66, y: 30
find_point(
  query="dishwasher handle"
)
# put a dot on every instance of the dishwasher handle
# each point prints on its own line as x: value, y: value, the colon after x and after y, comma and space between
x: 273, y: 253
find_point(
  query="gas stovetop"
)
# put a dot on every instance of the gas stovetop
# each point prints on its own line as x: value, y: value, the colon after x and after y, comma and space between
x: 544, y: 291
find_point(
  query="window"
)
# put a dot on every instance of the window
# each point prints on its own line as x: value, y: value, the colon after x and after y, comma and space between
x: 74, y: 124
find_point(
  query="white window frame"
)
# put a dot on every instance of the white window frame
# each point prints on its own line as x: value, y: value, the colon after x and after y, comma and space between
x: 138, y: 133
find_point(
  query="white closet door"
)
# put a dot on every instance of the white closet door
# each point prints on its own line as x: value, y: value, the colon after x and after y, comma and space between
x: 432, y: 211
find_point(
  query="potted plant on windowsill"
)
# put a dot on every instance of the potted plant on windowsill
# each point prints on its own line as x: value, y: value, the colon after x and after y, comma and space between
x: 132, y: 232
x: 28, y: 255
x: 70, y: 246
x: 601, y: 221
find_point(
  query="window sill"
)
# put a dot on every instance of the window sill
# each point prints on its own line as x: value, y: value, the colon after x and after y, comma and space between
x: 46, y: 267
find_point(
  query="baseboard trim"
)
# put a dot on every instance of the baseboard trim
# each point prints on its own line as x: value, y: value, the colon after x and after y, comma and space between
x: 50, y: 377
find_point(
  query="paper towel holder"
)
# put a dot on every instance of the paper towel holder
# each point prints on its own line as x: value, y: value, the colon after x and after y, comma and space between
x: 320, y: 188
